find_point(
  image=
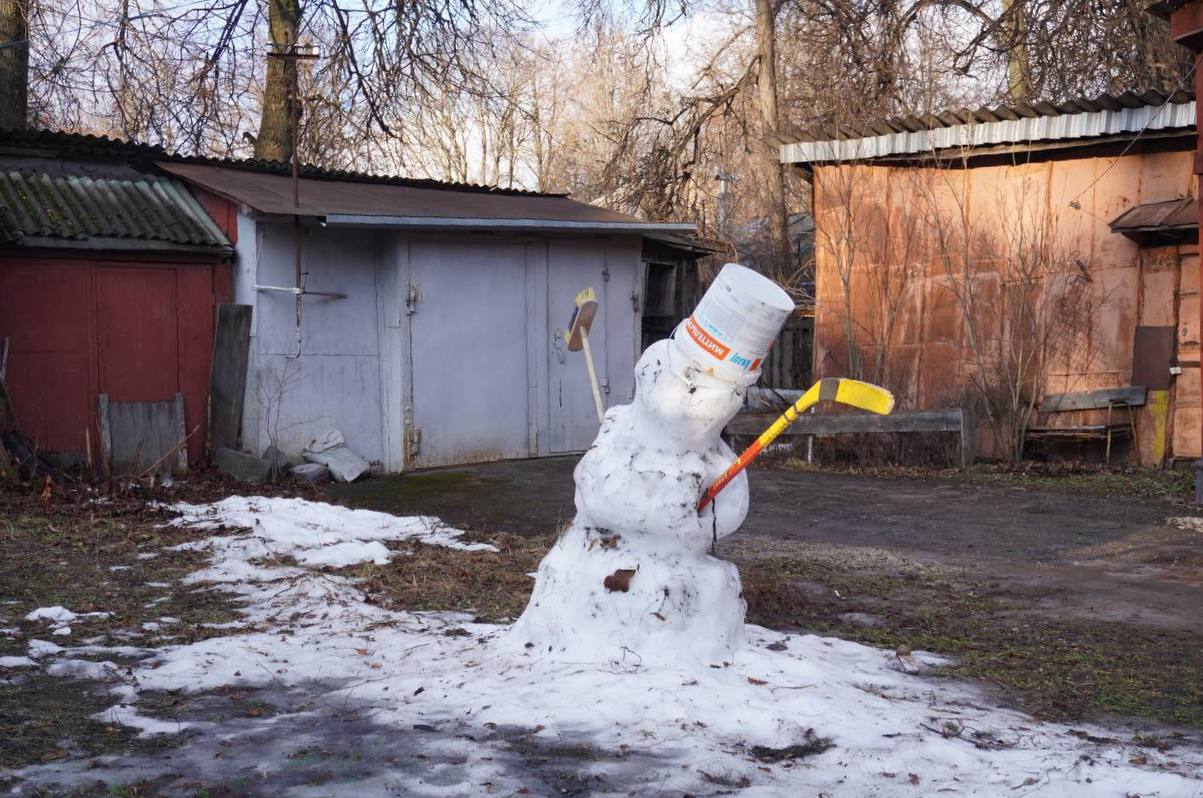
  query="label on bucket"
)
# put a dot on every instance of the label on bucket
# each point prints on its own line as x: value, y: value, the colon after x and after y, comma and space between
x: 707, y: 343
x: 731, y: 330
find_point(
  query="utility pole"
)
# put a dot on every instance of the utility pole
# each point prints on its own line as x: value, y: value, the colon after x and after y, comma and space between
x: 725, y: 179
x: 290, y: 56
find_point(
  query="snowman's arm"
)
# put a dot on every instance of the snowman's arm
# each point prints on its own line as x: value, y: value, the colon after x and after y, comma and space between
x: 854, y: 393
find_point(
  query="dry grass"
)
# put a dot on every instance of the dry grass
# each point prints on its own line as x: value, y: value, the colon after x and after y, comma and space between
x: 493, y: 586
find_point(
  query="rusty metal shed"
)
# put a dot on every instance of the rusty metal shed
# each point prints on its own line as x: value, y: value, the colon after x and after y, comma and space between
x: 1109, y: 182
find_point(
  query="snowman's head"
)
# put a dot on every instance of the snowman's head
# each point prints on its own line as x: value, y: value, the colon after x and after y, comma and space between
x: 676, y: 398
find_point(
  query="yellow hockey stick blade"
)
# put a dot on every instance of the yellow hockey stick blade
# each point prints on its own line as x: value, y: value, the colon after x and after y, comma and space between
x: 865, y: 396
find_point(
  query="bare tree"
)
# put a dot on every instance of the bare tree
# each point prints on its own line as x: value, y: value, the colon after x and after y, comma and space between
x: 770, y: 122
x: 280, y: 113
x: 14, y: 63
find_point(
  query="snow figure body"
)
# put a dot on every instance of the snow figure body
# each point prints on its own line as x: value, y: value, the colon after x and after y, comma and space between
x: 632, y: 580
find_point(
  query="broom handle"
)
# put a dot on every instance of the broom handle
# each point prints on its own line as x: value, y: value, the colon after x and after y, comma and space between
x: 597, y: 399
x: 849, y: 392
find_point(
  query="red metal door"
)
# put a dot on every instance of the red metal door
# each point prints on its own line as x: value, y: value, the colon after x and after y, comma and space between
x: 136, y: 330
x: 46, y: 313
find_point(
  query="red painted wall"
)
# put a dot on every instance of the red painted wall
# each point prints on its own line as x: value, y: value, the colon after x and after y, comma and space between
x: 136, y: 329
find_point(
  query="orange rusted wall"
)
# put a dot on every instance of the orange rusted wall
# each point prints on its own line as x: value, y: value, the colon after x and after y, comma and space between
x: 903, y: 254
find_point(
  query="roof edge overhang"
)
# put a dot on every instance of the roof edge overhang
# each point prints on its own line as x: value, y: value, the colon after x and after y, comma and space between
x: 984, y: 138
x: 505, y: 225
x: 100, y: 243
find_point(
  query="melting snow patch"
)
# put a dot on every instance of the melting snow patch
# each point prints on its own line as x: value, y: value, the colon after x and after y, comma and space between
x: 43, y: 648
x: 17, y: 662
x: 125, y: 715
x: 56, y: 613
x: 312, y: 533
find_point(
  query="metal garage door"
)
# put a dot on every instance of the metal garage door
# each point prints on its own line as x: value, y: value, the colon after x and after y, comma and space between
x: 467, y: 373
x: 571, y: 267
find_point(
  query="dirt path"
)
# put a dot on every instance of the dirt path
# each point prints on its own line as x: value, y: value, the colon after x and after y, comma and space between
x: 1059, y: 552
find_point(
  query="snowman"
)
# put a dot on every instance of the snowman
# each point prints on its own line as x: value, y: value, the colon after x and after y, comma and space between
x: 633, y: 580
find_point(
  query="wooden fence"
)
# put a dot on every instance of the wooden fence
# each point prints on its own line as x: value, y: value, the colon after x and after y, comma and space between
x: 788, y: 364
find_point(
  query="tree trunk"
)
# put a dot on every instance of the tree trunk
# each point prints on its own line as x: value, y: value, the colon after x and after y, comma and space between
x: 14, y: 63
x: 770, y: 159
x: 1019, y: 82
x: 280, y: 92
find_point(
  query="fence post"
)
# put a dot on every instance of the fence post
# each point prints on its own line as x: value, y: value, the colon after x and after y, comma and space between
x: 968, y: 438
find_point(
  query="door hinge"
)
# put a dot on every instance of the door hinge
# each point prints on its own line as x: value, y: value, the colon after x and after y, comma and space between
x: 411, y: 299
x: 605, y: 386
x: 634, y: 300
x: 605, y: 274
x: 413, y: 442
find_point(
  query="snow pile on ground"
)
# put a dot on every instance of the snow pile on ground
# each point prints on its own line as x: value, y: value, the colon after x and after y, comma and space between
x: 467, y: 703
x: 60, y: 618
x: 312, y: 533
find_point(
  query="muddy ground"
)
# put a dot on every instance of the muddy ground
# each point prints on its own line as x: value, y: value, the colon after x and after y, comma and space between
x: 1086, y: 550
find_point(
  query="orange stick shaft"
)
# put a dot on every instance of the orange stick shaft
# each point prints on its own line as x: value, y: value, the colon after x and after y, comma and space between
x: 741, y: 462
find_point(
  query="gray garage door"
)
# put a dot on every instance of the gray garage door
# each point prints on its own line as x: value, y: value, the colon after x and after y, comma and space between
x: 468, y: 352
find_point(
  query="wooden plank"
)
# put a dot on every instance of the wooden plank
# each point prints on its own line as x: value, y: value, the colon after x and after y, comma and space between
x: 139, y: 434
x: 181, y: 433
x: 1082, y: 430
x: 106, y: 435
x: 227, y: 381
x: 832, y: 424
x: 968, y: 438
x: 1098, y: 399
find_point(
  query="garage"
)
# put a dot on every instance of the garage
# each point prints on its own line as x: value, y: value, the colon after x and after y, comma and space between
x: 108, y: 285
x: 424, y: 322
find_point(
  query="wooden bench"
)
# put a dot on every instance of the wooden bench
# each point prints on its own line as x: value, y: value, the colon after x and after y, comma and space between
x: 1109, y: 399
x: 955, y: 420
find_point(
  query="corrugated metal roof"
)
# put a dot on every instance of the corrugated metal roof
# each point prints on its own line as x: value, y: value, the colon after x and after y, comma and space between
x: 1176, y: 214
x: 75, y: 208
x: 1082, y: 118
x: 61, y: 142
x: 400, y: 205
x: 349, y: 198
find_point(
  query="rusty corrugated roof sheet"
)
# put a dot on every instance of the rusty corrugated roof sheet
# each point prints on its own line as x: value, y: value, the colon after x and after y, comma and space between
x: 1153, y: 220
x: 1078, y: 118
x: 398, y: 204
x: 36, y: 205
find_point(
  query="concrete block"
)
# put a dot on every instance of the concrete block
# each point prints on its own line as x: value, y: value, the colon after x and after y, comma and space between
x: 242, y: 467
